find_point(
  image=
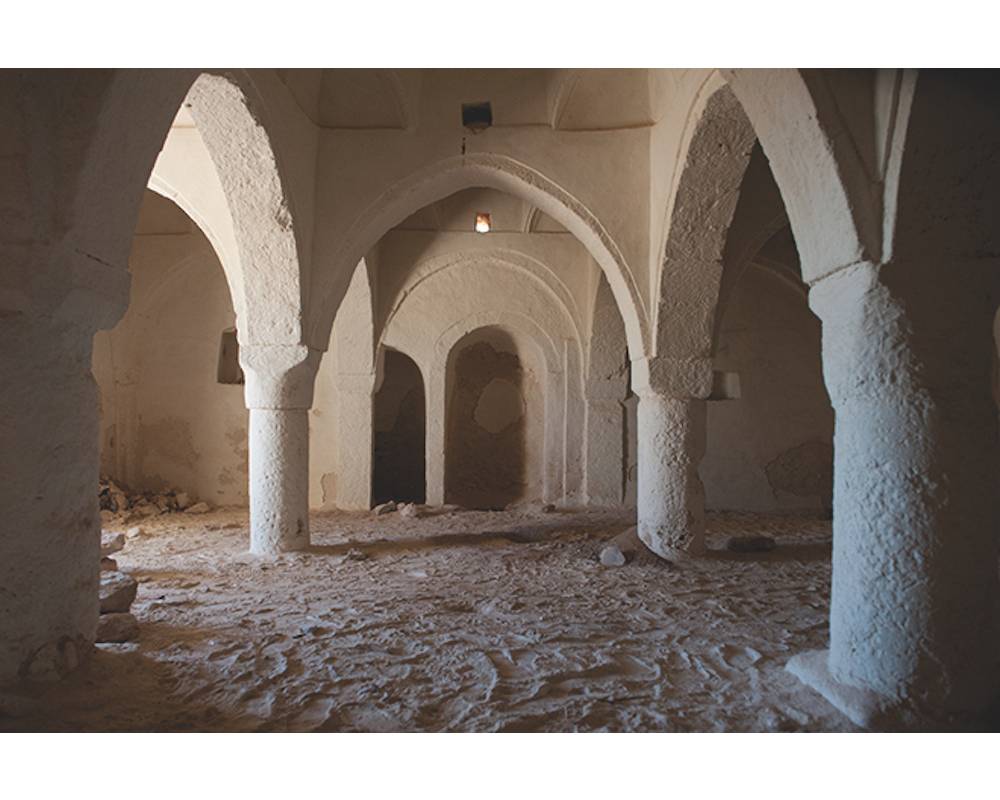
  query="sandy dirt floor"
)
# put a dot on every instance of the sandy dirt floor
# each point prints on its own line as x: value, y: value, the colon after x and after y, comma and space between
x: 461, y: 621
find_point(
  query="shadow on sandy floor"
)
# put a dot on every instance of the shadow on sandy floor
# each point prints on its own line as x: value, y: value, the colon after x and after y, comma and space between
x: 803, y: 552
x: 124, y: 691
x: 528, y: 534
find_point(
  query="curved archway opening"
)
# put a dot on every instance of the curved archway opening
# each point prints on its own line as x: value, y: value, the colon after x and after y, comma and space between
x: 173, y: 425
x: 435, y: 280
x: 488, y: 171
x: 770, y: 435
x: 400, y: 432
x: 732, y: 296
x: 204, y: 233
x: 494, y: 422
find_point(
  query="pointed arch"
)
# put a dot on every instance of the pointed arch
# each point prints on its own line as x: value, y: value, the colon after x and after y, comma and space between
x: 486, y: 170
x: 531, y: 268
x: 233, y: 125
x: 720, y: 140
x: 835, y: 212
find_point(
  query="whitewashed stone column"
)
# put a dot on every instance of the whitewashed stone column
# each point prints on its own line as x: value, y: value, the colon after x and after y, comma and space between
x: 574, y: 426
x: 914, y: 610
x: 279, y: 392
x: 355, y: 441
x: 435, y: 432
x: 553, y: 449
x: 50, y: 461
x: 671, y: 441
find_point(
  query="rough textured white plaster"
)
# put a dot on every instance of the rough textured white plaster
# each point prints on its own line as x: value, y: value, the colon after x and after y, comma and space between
x: 823, y: 183
x: 272, y: 257
x: 279, y: 486
x: 279, y: 391
x: 48, y: 409
x: 671, y: 501
x: 914, y: 602
x: 700, y: 212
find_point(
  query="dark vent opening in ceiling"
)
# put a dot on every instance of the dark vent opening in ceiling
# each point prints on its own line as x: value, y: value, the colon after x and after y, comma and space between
x: 477, y: 116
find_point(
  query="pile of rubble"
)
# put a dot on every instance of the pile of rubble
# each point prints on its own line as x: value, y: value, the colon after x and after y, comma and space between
x: 117, y: 501
x: 117, y: 593
x: 404, y: 509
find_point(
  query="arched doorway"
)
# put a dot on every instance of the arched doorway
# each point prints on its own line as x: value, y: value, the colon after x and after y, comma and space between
x: 171, y: 399
x: 494, y: 436
x: 400, y: 425
x: 770, y: 428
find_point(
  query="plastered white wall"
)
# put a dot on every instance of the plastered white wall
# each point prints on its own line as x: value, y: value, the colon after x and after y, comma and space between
x: 166, y: 422
x: 771, y: 448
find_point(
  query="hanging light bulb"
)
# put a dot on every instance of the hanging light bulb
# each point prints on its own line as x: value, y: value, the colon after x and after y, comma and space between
x: 482, y: 223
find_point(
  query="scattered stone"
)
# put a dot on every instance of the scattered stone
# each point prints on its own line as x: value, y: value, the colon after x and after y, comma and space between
x: 133, y: 532
x: 384, y: 508
x: 199, y: 508
x: 111, y: 542
x: 117, y: 592
x: 548, y: 508
x: 119, y: 501
x: 108, y: 564
x: 357, y: 555
x: 750, y: 544
x: 117, y: 627
x: 410, y: 510
x: 628, y: 548
x: 111, y: 497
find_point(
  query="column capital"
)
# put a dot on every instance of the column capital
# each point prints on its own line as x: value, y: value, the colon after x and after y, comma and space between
x: 842, y: 291
x: 678, y: 378
x: 279, y: 376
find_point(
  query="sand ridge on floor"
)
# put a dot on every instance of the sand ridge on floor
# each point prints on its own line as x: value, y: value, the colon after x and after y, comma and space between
x: 457, y: 621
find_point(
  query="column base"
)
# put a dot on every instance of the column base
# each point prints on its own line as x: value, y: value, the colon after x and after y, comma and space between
x: 863, y: 707
x: 874, y: 711
x: 656, y: 543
